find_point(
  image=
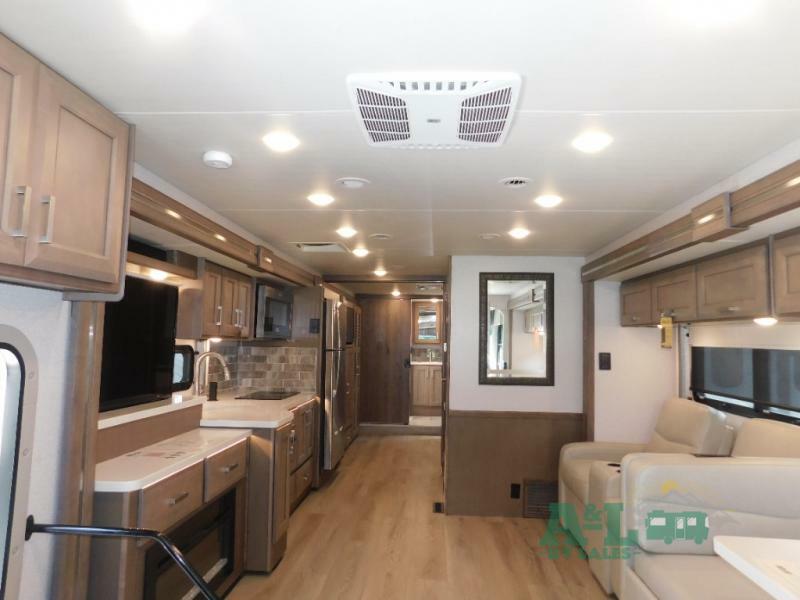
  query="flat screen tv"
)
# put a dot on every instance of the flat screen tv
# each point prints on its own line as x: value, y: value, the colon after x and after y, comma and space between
x: 139, y: 345
x: 763, y: 379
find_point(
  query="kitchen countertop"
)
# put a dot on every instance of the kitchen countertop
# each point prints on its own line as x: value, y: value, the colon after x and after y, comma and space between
x: 146, y: 466
x: 255, y: 414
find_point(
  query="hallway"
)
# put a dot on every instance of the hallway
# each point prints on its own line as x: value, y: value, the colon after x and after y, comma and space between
x: 371, y: 534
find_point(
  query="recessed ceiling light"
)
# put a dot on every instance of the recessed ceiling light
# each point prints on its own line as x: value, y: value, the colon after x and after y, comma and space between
x: 352, y: 183
x: 592, y: 141
x: 321, y: 199
x: 765, y: 321
x: 380, y: 236
x: 280, y: 141
x: 519, y: 233
x: 217, y: 159
x: 346, y: 231
x: 360, y: 252
x: 380, y: 272
x: 548, y: 200
x: 395, y: 292
x: 220, y: 237
x: 167, y: 18
x: 173, y: 214
x: 489, y: 236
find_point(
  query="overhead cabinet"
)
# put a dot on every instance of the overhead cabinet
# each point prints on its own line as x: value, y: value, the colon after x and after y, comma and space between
x: 733, y: 285
x: 64, y: 171
x: 227, y: 303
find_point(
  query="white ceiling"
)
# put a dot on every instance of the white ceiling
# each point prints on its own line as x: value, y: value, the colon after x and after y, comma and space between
x: 688, y: 105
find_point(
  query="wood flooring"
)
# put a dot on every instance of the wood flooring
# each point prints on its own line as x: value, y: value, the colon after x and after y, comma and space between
x: 371, y: 534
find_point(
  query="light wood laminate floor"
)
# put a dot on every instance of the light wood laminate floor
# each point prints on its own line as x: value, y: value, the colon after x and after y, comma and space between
x: 371, y: 534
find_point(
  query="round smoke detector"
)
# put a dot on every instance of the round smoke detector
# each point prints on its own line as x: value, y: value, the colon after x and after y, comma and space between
x: 489, y: 236
x: 515, y: 182
x: 352, y: 183
x: 217, y: 159
x: 381, y: 237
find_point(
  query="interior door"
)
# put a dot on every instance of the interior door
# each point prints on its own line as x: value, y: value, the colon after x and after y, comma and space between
x: 385, y: 351
x: 80, y: 150
x: 18, y: 72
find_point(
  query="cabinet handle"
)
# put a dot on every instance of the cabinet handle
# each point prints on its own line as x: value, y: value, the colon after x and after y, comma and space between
x: 47, y: 238
x: 229, y: 468
x: 178, y: 499
x: 219, y: 315
x: 24, y: 193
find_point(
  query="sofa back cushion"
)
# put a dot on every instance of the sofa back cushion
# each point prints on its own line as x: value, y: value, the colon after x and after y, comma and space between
x: 763, y: 437
x: 685, y: 426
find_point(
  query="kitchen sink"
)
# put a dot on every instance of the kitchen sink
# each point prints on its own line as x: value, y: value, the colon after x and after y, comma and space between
x: 266, y: 395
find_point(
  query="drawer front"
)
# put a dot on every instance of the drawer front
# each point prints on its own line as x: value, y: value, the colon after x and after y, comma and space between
x: 165, y: 503
x: 225, y: 468
x: 301, y: 480
x: 734, y: 285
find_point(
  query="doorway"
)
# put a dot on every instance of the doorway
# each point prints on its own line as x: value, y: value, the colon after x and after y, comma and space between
x: 402, y: 354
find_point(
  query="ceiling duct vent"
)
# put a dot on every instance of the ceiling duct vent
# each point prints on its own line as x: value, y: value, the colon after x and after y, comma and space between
x: 435, y: 110
x: 321, y: 247
x: 515, y: 182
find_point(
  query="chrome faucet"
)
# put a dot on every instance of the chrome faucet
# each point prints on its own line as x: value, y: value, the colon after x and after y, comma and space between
x: 200, y: 387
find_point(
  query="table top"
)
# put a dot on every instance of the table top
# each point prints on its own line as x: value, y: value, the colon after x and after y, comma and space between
x: 771, y: 563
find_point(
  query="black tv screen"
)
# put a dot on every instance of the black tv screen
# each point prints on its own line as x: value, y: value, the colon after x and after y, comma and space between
x: 767, y: 378
x: 139, y: 345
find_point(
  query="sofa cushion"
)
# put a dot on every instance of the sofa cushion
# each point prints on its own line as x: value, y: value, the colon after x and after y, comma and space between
x: 766, y: 438
x: 575, y: 474
x: 688, y: 427
x: 682, y: 576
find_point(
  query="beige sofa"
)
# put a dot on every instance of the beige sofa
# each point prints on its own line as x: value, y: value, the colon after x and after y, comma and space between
x: 589, y: 471
x: 755, y: 492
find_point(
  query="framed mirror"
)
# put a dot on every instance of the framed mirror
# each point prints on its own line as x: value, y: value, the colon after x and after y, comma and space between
x: 516, y: 329
x: 427, y: 320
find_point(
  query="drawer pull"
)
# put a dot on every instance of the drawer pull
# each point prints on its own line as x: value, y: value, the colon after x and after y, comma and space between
x: 47, y: 238
x: 178, y: 499
x: 230, y: 468
x: 23, y: 192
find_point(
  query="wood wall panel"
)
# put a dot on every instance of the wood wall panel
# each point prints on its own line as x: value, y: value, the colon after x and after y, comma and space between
x: 488, y: 451
x: 386, y: 345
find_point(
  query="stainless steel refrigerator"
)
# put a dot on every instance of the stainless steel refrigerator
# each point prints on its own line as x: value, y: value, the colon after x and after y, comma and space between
x: 335, y: 326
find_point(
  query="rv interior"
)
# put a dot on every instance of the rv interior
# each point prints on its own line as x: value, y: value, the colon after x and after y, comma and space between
x: 304, y: 301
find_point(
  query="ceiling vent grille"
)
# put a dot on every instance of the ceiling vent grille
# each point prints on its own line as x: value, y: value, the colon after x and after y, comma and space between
x: 515, y: 182
x: 435, y: 110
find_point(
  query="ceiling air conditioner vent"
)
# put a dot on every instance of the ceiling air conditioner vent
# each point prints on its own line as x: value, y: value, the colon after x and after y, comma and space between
x: 435, y: 110
x: 321, y: 247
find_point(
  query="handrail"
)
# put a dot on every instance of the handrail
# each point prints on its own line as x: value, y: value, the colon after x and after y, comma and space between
x: 150, y: 534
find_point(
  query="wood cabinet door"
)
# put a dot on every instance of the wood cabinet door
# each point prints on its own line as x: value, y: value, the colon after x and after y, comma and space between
x: 636, y: 303
x: 230, y: 311
x: 436, y: 386
x: 18, y: 81
x: 80, y: 175
x: 212, y: 300
x: 281, y: 505
x: 675, y: 295
x: 734, y: 285
x: 244, y: 304
x: 786, y: 274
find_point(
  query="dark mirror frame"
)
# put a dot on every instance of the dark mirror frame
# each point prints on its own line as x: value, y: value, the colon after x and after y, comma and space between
x: 549, y: 378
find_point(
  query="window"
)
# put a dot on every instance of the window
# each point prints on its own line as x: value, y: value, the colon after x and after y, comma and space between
x: 12, y: 384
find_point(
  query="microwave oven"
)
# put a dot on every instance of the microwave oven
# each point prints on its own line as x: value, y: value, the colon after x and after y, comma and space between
x: 273, y: 313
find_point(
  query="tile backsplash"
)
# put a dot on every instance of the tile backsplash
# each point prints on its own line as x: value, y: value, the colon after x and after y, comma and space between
x: 256, y: 366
